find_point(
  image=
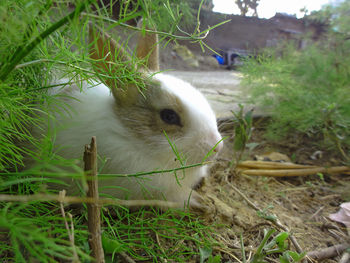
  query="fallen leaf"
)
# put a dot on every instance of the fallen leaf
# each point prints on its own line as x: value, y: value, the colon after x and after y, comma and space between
x: 343, y: 215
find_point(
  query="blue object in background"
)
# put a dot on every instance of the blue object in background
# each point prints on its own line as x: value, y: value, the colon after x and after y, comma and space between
x: 220, y: 59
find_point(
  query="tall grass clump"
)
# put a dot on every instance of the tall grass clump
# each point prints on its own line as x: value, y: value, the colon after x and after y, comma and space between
x: 306, y: 91
x: 42, y: 41
x: 34, y: 44
x: 177, y: 235
x: 16, y: 103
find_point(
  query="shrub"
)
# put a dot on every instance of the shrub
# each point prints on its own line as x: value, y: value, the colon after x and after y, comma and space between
x: 305, y: 90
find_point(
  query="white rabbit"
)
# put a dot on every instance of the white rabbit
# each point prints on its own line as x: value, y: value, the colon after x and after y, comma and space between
x: 129, y: 126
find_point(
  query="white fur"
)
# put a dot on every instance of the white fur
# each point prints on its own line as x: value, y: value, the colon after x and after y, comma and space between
x: 93, y: 116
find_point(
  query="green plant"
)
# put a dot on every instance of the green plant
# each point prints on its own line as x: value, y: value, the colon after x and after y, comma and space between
x: 242, y: 133
x: 205, y: 255
x: 169, y: 14
x: 34, y: 231
x: 305, y: 92
x: 177, y: 235
x: 277, y: 245
x: 265, y: 213
x: 334, y: 15
x: 22, y: 86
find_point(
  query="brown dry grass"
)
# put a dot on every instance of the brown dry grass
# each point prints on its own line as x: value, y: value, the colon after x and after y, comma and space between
x: 302, y: 204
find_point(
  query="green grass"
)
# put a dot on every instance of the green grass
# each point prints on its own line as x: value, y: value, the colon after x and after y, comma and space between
x: 305, y: 91
x: 39, y: 42
x: 149, y: 234
x: 36, y: 231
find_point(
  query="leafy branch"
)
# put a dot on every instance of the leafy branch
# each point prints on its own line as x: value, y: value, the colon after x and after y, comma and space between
x: 18, y: 56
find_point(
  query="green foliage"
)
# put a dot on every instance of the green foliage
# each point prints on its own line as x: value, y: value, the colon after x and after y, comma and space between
x: 17, y: 105
x: 169, y: 14
x: 242, y: 132
x: 243, y: 129
x: 28, y: 51
x: 34, y: 231
x: 40, y: 42
x: 336, y: 16
x: 277, y: 245
x: 305, y: 91
x: 341, y: 19
x: 15, y: 117
x: 204, y: 253
x: 266, y: 214
x: 179, y: 235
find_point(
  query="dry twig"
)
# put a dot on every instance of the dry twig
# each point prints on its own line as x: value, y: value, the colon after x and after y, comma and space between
x: 161, y: 248
x: 87, y: 200
x: 317, y: 212
x: 71, y: 230
x: 245, y: 198
x: 345, y: 258
x: 227, y: 253
x: 126, y: 258
x: 328, y: 252
x: 94, y: 209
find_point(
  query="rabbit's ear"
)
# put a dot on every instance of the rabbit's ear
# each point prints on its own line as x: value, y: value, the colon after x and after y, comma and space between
x: 108, y: 59
x: 147, y: 48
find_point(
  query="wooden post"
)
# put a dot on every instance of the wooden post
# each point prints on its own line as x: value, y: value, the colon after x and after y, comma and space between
x: 94, y: 209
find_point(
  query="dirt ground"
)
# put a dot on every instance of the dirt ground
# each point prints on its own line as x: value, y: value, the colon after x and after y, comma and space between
x: 302, y: 204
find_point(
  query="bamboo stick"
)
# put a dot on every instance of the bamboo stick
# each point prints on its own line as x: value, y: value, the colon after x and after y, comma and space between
x: 272, y: 165
x: 294, y: 172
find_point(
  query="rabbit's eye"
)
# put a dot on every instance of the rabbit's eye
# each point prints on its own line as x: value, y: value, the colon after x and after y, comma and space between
x: 170, y: 117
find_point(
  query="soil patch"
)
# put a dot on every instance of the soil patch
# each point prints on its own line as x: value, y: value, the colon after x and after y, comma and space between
x: 301, y: 204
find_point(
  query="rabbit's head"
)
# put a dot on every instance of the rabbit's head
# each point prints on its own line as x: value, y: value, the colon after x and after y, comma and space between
x: 164, y: 109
